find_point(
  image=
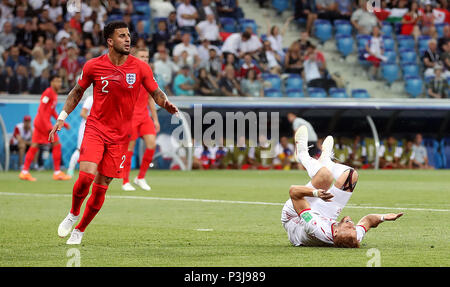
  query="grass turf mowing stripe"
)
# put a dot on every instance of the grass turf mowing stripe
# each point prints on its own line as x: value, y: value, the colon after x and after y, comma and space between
x: 218, y: 201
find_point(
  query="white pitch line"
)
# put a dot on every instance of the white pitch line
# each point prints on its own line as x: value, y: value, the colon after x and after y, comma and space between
x: 216, y: 201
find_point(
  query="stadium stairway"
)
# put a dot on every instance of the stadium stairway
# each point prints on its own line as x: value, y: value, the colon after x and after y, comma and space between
x: 354, y: 75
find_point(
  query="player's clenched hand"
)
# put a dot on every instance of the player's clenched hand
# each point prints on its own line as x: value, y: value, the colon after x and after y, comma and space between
x: 171, y: 108
x: 392, y: 216
x: 325, y: 195
x: 56, y: 128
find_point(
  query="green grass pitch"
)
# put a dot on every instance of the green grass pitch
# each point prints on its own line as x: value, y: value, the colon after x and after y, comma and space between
x: 231, y: 229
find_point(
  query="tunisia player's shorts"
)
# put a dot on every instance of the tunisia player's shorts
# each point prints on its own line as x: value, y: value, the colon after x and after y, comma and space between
x: 110, y: 158
x: 143, y: 127
x: 41, y: 137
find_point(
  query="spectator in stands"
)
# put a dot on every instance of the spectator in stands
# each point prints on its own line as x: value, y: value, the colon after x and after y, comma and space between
x: 70, y: 64
x: 41, y: 83
x: 46, y: 25
x: 185, y: 45
x: 203, y: 50
x: 7, y: 36
x: 420, y: 157
x: 205, y: 8
x: 327, y: 10
x: 233, y: 42
x: 164, y: 67
x: 431, y: 58
x: 315, y: 70
x: 362, y: 20
x: 437, y: 87
x: 162, y: 35
x: 230, y: 60
x: 184, y: 84
x: 410, y: 21
x: 96, y: 35
x: 21, y: 139
x: 18, y: 82
x: 248, y: 65
x: 15, y: 60
x: 252, y: 45
x: 26, y: 38
x: 342, y: 151
x: 214, y: 64
x: 389, y: 153
x: 306, y: 9
x: 50, y: 51
x: 20, y: 19
x: 161, y: 8
x: 172, y: 25
x: 55, y: 11
x: 445, y: 38
x: 208, y: 29
x: 185, y: 60
x: 229, y: 86
x: 345, y: 8
x: 269, y: 60
x: 284, y: 155
x: 39, y: 63
x: 374, y: 52
x: 102, y: 13
x: 127, y: 19
x: 275, y: 35
x: 206, y: 85
x: 406, y: 159
x: 427, y: 22
x: 293, y: 62
x: 251, y: 85
x: 358, y: 153
x: 7, y: 8
x: 142, y: 34
x: 187, y: 16
x: 445, y: 56
x: 228, y: 8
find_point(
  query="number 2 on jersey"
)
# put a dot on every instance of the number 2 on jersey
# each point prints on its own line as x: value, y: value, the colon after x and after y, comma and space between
x: 123, y: 161
x: 104, y: 87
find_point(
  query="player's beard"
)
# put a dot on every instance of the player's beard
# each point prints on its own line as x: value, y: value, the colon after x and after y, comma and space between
x: 121, y: 51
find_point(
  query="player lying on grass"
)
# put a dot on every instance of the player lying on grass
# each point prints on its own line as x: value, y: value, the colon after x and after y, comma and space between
x: 309, y: 216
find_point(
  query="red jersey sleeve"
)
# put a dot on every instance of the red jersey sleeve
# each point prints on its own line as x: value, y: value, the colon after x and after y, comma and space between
x: 86, y: 77
x: 148, y: 80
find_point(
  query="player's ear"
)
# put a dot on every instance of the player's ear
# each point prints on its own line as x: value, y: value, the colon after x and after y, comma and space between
x: 109, y: 41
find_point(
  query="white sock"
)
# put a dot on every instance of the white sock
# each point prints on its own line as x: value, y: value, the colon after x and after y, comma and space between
x: 73, y: 160
x: 311, y: 165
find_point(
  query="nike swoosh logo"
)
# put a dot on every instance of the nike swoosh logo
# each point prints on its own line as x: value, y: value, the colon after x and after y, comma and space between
x: 102, y: 78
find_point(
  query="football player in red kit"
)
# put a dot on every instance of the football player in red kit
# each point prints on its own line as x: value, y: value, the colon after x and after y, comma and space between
x: 42, y: 126
x: 117, y: 78
x: 143, y: 126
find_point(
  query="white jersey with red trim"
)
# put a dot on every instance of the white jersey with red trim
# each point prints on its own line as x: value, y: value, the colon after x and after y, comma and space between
x: 19, y: 130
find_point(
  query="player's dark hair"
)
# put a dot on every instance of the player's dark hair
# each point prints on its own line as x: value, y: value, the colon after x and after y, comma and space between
x: 53, y: 76
x: 109, y: 29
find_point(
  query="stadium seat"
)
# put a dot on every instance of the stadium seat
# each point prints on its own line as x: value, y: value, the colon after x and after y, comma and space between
x: 338, y: 93
x: 413, y: 86
x: 423, y: 42
x: 273, y: 93
x: 263, y: 37
x: 294, y: 81
x: 343, y: 28
x: 386, y: 29
x: 136, y: 18
x: 388, y: 43
x: 344, y: 45
x: 391, y: 56
x: 445, y: 148
x: 274, y: 80
x: 405, y: 41
x: 410, y: 70
x: 362, y: 40
x: 244, y: 23
x: 440, y: 29
x: 407, y: 56
x: 389, y: 72
x: 360, y: 94
x: 317, y: 93
x: 294, y: 93
x: 142, y: 8
x: 228, y: 24
x: 442, y: 153
x: 280, y: 5
x: 114, y: 17
x: 323, y: 30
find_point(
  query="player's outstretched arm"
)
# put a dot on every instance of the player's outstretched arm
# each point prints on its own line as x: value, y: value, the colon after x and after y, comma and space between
x: 162, y: 101
x: 372, y: 220
x: 72, y: 101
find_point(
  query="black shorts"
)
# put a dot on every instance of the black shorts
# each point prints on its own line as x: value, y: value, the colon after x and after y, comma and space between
x: 313, y: 150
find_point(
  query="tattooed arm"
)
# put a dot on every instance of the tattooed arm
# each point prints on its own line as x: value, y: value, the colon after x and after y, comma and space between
x: 162, y: 101
x: 71, y: 103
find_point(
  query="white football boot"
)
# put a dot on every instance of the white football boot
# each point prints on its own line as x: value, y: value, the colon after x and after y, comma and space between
x: 128, y: 187
x: 327, y: 150
x: 142, y: 183
x: 66, y: 225
x: 75, y: 237
x: 301, y: 141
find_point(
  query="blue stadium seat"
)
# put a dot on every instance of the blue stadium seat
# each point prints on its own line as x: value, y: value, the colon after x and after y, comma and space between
x: 388, y: 43
x: 136, y: 18
x: 142, y: 8
x: 317, y: 93
x: 405, y: 41
x: 273, y: 93
x: 410, y: 70
x: 407, y: 55
x: 423, y: 42
x: 389, y: 72
x: 114, y: 17
x: 390, y: 55
x: 445, y: 148
x: 274, y: 80
x: 294, y: 93
x: 323, y: 30
x: 360, y: 94
x: 294, y: 81
x: 386, y: 29
x: 228, y: 24
x: 440, y: 29
x: 413, y: 86
x: 362, y: 40
x: 338, y: 93
x: 343, y: 27
x: 244, y: 23
x: 280, y: 5
x: 344, y: 45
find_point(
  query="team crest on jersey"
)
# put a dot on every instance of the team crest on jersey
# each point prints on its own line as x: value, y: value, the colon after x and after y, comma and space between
x: 131, y: 78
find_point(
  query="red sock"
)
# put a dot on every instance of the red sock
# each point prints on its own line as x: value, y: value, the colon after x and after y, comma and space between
x: 126, y: 176
x: 56, y: 157
x: 93, y: 205
x: 80, y: 191
x: 29, y: 157
x: 146, y: 160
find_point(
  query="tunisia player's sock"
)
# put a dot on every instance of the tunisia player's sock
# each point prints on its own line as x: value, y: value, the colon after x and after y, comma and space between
x: 146, y: 160
x: 29, y: 157
x: 126, y: 177
x: 80, y: 191
x: 57, y: 158
x: 93, y: 205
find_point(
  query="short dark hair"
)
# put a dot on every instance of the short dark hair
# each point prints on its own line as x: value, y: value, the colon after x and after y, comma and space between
x: 53, y: 76
x: 109, y: 29
x: 246, y: 35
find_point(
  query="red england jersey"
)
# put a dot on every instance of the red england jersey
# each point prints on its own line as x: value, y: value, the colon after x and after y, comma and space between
x: 141, y: 110
x: 116, y: 91
x: 47, y: 109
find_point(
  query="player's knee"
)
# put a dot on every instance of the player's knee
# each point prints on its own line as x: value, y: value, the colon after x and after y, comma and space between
x: 347, y: 181
x: 323, y: 179
x: 151, y: 145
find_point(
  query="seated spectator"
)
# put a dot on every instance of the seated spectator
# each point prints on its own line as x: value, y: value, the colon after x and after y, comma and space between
x: 165, y: 68
x: 251, y: 85
x: 358, y: 153
x: 275, y: 36
x: 362, y: 20
x: 293, y: 61
x: 374, y: 51
x: 411, y: 20
x: 445, y: 39
x: 252, y: 45
x: 285, y: 158
x: 141, y: 33
x: 102, y: 13
x: 315, y: 71
x: 427, y: 21
x: 269, y: 60
x: 172, y: 24
x: 342, y: 151
x: 186, y: 45
x: 445, y: 57
x: 185, y: 60
x: 406, y: 159
x: 70, y: 64
x: 203, y: 50
x: 21, y: 139
x: 208, y: 29
x: 205, y: 8
x: 161, y: 8
x: 7, y: 36
x: 232, y: 44
x: 389, y: 153
x: 248, y: 65
x: 206, y: 85
x: 20, y: 19
x: 162, y: 35
x: 15, y: 60
x: 229, y: 86
x: 55, y: 11
x: 345, y: 9
x: 18, y: 82
x: 183, y: 84
x: 420, y: 157
x: 437, y: 87
x: 327, y: 10
x: 431, y: 58
x: 40, y: 83
x: 39, y: 62
x: 127, y: 19
x: 46, y: 24
x: 26, y: 38
x: 306, y: 9
x: 230, y: 60
x: 186, y: 16
x: 214, y: 64
x: 228, y: 8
